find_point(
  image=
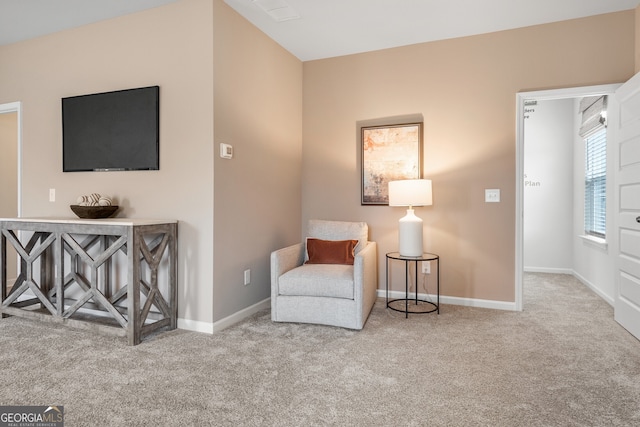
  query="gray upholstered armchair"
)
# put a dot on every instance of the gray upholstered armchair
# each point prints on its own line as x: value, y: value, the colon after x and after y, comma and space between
x: 326, y: 293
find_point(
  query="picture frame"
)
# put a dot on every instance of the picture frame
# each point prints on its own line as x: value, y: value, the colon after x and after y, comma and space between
x: 389, y: 153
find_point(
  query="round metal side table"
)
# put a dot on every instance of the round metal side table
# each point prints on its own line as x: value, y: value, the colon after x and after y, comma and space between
x: 416, y: 304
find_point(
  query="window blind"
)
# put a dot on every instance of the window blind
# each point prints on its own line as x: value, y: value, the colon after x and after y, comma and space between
x: 594, y: 113
x: 595, y: 197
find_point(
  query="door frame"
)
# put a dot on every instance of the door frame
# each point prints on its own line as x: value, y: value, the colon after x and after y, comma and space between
x: 16, y: 107
x: 521, y: 97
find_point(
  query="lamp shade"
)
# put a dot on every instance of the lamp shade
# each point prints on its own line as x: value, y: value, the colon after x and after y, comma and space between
x: 410, y: 192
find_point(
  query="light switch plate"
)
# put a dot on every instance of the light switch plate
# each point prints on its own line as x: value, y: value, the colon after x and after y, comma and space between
x: 226, y: 151
x: 492, y: 195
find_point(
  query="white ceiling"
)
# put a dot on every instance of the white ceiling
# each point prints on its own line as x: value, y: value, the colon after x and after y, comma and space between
x: 26, y: 19
x: 326, y: 28
x: 330, y: 28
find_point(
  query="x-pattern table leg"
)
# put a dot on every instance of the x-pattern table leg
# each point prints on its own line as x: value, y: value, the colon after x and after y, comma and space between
x: 34, y: 250
x: 152, y: 254
x: 90, y: 286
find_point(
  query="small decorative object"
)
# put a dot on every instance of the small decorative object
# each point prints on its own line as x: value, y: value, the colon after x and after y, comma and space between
x: 104, y: 201
x: 94, y: 206
x: 91, y: 200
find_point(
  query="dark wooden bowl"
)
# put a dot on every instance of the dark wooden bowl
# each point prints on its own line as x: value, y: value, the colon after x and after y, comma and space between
x: 93, y: 212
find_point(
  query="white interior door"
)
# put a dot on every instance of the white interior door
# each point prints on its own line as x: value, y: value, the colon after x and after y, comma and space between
x: 627, y: 187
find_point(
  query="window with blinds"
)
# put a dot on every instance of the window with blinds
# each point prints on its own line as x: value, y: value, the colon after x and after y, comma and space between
x: 595, y: 184
x: 594, y: 132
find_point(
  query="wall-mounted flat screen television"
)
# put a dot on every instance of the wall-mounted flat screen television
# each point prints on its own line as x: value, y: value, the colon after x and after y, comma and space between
x: 112, y: 131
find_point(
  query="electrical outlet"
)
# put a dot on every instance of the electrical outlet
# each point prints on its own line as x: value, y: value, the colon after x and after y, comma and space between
x: 426, y: 267
x: 52, y: 194
x: 247, y: 277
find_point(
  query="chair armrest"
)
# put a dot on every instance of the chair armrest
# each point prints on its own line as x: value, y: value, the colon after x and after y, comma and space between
x: 283, y: 260
x: 365, y: 269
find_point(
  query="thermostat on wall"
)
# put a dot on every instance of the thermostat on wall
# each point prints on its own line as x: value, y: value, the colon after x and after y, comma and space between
x: 226, y: 151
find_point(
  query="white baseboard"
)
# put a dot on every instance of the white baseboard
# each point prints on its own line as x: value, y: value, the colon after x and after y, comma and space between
x: 597, y: 291
x: 584, y: 281
x: 548, y: 270
x: 211, y: 328
x: 480, y: 303
x: 467, y: 302
x: 241, y: 315
x: 195, y: 326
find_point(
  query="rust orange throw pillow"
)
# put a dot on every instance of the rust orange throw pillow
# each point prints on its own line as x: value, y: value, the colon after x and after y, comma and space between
x: 330, y: 251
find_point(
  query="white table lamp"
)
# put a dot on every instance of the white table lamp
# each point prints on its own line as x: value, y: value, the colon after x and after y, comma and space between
x: 410, y: 192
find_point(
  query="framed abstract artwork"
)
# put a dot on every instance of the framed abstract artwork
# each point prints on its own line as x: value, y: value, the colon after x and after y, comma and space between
x: 389, y: 153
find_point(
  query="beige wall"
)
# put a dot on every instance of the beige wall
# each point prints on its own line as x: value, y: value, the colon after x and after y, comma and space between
x: 170, y: 46
x: 258, y: 110
x: 637, y: 39
x: 465, y: 89
x: 8, y: 165
x: 9, y: 178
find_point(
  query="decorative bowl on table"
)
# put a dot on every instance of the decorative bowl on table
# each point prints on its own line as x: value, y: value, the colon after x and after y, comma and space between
x: 94, y: 212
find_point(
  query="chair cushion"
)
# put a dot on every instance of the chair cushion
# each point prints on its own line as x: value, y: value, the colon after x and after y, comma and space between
x: 321, y: 280
x: 338, y: 230
x: 330, y: 251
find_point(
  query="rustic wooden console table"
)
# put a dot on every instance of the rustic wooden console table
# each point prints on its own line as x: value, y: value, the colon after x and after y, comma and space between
x: 115, y: 275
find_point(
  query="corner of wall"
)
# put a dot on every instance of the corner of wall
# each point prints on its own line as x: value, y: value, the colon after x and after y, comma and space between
x: 637, y: 39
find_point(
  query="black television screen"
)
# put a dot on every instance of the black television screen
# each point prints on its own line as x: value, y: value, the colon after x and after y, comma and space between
x: 111, y: 131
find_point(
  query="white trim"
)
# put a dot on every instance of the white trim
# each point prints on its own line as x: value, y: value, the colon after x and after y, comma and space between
x: 521, y: 97
x: 241, y: 315
x: 595, y: 241
x: 195, y: 326
x: 211, y: 328
x: 480, y: 303
x: 467, y: 302
x: 548, y: 270
x: 597, y: 291
x: 519, y: 240
x: 16, y: 107
x: 10, y: 107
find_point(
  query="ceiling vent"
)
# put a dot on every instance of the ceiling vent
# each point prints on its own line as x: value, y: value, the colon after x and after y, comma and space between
x: 279, y: 10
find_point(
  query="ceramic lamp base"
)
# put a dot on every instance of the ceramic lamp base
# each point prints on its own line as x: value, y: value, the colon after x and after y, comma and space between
x: 410, y: 235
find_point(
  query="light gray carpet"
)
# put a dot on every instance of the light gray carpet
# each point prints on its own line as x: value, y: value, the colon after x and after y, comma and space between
x: 562, y: 362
